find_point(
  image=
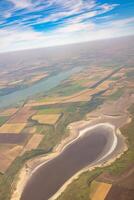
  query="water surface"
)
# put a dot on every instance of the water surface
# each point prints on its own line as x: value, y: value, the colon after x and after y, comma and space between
x: 48, y: 179
x: 40, y: 87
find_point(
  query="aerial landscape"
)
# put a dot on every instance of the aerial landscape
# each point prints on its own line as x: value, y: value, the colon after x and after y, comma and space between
x: 66, y: 109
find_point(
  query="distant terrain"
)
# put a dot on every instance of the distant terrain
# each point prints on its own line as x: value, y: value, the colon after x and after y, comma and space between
x: 88, y: 83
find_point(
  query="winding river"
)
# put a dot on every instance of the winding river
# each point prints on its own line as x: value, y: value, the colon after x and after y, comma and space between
x: 88, y: 148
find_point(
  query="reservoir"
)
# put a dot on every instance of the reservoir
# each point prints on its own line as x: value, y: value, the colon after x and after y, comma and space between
x: 48, y: 178
x: 38, y: 88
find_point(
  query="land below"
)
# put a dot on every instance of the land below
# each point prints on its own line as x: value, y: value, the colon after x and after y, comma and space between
x: 39, y: 129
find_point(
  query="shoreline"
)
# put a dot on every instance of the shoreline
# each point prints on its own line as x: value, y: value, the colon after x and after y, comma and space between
x: 32, y: 165
x: 101, y: 162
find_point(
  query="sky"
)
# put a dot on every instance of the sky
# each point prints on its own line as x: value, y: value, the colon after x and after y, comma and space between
x: 27, y: 24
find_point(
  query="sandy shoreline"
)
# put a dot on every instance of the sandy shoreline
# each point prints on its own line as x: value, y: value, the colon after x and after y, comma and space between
x: 32, y: 165
x: 102, y: 162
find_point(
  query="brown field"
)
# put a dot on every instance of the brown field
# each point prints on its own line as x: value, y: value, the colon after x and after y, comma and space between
x: 13, y: 138
x: 8, y: 153
x: 46, y: 119
x: 99, y: 190
x: 22, y: 115
x: 92, y: 72
x: 8, y: 112
x: 12, y: 128
x: 33, y: 142
x: 123, y: 184
x: 91, y: 76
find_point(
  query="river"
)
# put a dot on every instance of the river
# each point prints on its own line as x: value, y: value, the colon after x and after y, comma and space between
x: 38, y: 88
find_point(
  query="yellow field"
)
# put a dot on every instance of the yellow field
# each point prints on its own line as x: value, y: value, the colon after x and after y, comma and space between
x: 33, y: 142
x: 46, y: 119
x: 12, y: 128
x: 80, y: 96
x: 99, y: 190
x: 8, y: 155
x: 104, y: 85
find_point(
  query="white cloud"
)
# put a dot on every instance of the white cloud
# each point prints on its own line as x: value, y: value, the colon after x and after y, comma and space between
x: 77, y: 12
x: 123, y: 22
x: 16, y: 39
x: 76, y: 23
x: 21, y: 3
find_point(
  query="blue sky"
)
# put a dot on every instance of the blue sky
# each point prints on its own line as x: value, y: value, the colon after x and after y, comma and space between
x: 28, y: 24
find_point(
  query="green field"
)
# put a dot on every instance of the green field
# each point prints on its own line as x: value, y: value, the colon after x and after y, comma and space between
x: 67, y: 89
x: 3, y: 119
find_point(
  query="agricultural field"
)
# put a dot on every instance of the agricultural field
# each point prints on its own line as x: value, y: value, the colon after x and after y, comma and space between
x: 39, y: 124
x: 8, y: 154
x: 22, y: 115
x: 12, y: 128
x: 99, y: 190
x: 46, y: 119
x: 33, y: 143
x: 8, y: 112
x: 3, y: 119
x: 73, y: 90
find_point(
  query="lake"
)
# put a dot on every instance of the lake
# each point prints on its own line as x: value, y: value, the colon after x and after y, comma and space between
x: 49, y: 178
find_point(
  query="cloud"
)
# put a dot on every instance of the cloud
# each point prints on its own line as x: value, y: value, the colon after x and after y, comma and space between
x: 21, y: 3
x: 16, y: 39
x: 64, y: 21
x: 77, y: 11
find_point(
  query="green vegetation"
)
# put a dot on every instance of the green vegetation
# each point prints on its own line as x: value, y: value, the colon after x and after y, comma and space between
x: 67, y: 89
x: 3, y: 119
x: 48, y: 111
x: 115, y: 78
x: 79, y: 189
x: 128, y: 157
x: 71, y: 112
x: 116, y: 95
